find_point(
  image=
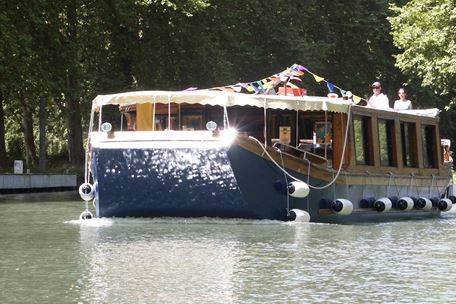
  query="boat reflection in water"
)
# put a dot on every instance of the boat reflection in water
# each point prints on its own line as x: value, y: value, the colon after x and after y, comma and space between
x: 264, y: 156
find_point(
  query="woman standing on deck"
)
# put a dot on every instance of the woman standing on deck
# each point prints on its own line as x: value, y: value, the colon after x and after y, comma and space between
x: 402, y: 103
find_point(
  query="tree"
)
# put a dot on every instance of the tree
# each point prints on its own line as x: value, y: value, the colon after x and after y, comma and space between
x: 425, y: 32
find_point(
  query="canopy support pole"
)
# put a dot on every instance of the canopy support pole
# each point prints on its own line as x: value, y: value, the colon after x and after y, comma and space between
x: 169, y: 112
x: 265, y: 124
x: 297, y: 128
x: 325, y: 143
x: 121, y: 121
x: 153, y: 114
x: 99, y: 118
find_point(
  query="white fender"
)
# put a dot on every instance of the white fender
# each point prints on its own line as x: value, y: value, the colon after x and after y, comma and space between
x: 405, y: 203
x: 445, y: 204
x: 86, y: 191
x: 298, y: 189
x: 383, y: 204
x: 86, y: 215
x: 423, y: 203
x: 342, y: 206
x: 298, y: 215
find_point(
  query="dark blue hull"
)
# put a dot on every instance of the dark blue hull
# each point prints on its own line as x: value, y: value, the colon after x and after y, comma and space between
x: 179, y: 182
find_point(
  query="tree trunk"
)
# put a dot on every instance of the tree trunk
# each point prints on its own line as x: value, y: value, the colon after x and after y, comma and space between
x: 75, y: 143
x: 3, y: 155
x: 73, y: 111
x: 27, y: 129
x: 43, y: 143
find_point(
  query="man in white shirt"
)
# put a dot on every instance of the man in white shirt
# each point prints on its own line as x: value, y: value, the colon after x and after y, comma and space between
x: 378, y: 100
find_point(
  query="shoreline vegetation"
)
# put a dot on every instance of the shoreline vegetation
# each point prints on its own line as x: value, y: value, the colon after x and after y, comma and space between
x: 56, y: 57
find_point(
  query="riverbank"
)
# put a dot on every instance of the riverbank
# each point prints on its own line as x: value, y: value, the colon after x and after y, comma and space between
x: 36, y: 182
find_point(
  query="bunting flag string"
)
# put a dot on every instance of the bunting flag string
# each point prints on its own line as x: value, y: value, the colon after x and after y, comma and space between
x: 330, y: 86
x: 293, y: 73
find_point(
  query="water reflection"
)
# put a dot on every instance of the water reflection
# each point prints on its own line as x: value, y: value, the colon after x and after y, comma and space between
x: 226, y: 261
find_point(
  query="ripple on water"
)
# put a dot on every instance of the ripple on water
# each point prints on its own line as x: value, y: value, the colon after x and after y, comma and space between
x: 177, y: 260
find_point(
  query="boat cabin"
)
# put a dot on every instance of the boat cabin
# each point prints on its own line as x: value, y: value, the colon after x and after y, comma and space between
x: 379, y: 141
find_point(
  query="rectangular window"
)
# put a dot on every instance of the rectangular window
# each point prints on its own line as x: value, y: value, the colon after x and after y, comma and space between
x: 361, y: 133
x: 409, y: 147
x: 429, y: 143
x: 386, y: 142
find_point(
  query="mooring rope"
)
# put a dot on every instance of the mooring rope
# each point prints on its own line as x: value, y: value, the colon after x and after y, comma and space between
x: 297, y: 179
x: 286, y: 182
x: 432, y: 185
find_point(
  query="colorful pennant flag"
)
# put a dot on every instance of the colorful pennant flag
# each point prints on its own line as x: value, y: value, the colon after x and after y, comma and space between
x: 330, y: 87
x: 237, y: 88
x: 318, y: 78
x: 250, y: 88
x: 356, y: 99
x: 260, y: 85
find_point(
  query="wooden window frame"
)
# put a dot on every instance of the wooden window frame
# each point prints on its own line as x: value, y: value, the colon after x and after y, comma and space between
x: 370, y: 145
x: 435, y: 151
x: 391, y: 130
x: 414, y: 143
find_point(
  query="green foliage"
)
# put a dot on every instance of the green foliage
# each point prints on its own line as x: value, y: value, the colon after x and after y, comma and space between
x: 425, y: 30
x: 75, y: 49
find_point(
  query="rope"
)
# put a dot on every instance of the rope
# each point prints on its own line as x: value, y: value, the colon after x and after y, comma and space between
x: 297, y: 179
x: 389, y: 184
x: 412, y: 178
x: 432, y: 185
x: 398, y: 191
x: 86, y: 155
x: 364, y: 185
x: 410, y: 185
x: 286, y: 182
x: 226, y: 121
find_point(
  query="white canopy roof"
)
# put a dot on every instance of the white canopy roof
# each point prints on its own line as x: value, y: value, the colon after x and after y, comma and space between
x: 228, y: 99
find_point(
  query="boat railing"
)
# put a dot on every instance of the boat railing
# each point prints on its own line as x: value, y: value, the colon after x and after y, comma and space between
x: 313, y: 157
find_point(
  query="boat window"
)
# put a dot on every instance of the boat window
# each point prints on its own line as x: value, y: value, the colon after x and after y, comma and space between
x: 362, y: 136
x: 283, y: 121
x: 429, y: 143
x: 191, y: 118
x: 386, y: 142
x: 409, y: 148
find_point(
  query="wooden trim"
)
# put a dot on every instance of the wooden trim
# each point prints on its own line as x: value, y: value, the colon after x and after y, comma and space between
x: 398, y: 141
x: 296, y: 164
x: 339, y: 123
x: 438, y: 148
x: 360, y: 110
x: 374, y: 142
x: 419, y: 145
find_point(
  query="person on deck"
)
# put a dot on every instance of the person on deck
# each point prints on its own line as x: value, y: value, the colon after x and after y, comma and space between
x: 378, y: 100
x: 402, y: 103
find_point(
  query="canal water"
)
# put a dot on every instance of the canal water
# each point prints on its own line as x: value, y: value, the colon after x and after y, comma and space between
x: 48, y: 256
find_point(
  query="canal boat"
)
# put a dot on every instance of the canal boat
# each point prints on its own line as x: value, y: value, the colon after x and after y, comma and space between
x: 231, y: 153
